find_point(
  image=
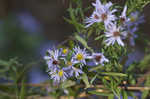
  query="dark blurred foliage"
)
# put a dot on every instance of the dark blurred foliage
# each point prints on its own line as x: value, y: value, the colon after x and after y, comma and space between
x: 15, y: 41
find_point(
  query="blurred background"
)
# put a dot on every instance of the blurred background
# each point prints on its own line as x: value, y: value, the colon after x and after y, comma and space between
x: 29, y: 27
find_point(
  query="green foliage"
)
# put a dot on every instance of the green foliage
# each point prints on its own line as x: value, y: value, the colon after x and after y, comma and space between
x: 134, y: 5
x: 111, y: 74
x: 144, y: 64
x: 85, y: 80
x: 146, y: 92
x: 67, y: 84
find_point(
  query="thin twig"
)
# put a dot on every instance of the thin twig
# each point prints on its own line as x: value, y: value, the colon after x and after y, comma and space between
x: 132, y: 88
x: 65, y: 41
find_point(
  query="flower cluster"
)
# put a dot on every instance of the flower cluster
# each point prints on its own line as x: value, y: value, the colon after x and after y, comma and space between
x: 65, y: 63
x: 116, y: 28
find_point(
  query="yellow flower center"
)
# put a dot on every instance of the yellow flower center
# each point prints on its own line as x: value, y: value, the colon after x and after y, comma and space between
x: 69, y: 63
x: 132, y: 19
x: 80, y: 56
x: 107, y: 77
x: 65, y: 51
x: 60, y: 73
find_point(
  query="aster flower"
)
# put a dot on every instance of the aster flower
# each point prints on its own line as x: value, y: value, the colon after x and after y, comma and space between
x: 135, y: 19
x: 58, y: 76
x: 123, y: 17
x: 52, y: 59
x: 71, y: 70
x: 102, y: 13
x: 94, y: 18
x: 115, y: 34
x: 80, y: 55
x: 99, y: 58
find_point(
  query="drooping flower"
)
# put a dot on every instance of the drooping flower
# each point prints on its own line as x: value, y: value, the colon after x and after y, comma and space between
x: 99, y: 58
x: 131, y: 35
x: 80, y: 55
x: 115, y: 34
x: 102, y: 13
x: 58, y: 76
x: 123, y: 17
x: 53, y: 59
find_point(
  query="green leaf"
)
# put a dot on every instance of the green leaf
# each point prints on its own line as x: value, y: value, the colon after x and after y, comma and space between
x: 22, y: 93
x: 96, y: 68
x: 146, y: 92
x: 83, y: 42
x: 4, y: 63
x: 85, y: 80
x: 73, y: 13
x: 89, y: 33
x: 111, y: 96
x: 93, y: 79
x: 68, y: 83
x: 114, y: 74
x: 125, y: 95
x: 145, y: 63
x: 99, y: 37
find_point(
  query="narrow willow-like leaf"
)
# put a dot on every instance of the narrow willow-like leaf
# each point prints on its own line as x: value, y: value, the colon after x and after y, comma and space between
x: 85, y: 80
x: 114, y: 74
x: 68, y: 83
x: 83, y: 42
x: 99, y: 37
x: 124, y: 95
x: 22, y: 92
x: 111, y: 96
x: 92, y: 80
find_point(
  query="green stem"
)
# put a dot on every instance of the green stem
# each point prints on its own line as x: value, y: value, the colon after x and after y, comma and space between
x: 118, y: 96
x: 16, y: 88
